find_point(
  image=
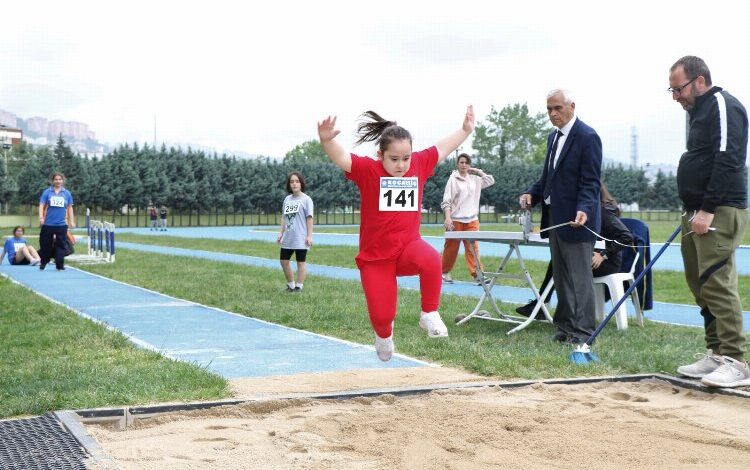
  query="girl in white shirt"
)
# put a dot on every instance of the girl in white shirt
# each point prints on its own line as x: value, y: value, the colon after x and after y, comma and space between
x: 461, y: 208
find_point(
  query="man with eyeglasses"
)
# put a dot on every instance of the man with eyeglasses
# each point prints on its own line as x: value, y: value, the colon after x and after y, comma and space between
x: 711, y: 185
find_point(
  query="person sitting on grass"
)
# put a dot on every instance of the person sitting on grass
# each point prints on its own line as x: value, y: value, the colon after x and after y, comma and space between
x: 19, y: 252
x: 391, y: 189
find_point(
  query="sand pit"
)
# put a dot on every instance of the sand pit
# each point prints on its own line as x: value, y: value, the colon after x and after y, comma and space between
x: 329, y: 382
x: 649, y: 424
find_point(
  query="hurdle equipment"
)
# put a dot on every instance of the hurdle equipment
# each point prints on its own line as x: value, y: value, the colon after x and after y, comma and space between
x: 100, y: 242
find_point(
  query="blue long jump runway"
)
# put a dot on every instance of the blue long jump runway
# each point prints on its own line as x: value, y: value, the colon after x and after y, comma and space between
x: 677, y: 314
x: 670, y: 260
x: 229, y: 344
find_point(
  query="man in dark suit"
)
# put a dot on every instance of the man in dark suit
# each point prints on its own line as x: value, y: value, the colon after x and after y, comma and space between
x: 569, y: 192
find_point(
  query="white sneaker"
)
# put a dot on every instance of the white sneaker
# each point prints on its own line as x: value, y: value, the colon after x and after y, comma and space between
x: 707, y: 363
x: 732, y: 373
x: 447, y: 278
x: 35, y: 262
x: 433, y: 325
x: 384, y: 347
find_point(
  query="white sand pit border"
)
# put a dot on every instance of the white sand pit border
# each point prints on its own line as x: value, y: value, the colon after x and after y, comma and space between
x: 138, y: 416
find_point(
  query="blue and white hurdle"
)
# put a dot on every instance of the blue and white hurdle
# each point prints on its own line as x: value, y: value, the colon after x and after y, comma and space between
x: 101, y: 241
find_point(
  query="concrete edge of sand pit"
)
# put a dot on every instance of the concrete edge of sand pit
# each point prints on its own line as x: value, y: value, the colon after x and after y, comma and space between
x: 122, y: 417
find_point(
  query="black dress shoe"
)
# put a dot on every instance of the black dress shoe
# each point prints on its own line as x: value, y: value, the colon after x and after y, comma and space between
x: 560, y: 337
x: 526, y: 310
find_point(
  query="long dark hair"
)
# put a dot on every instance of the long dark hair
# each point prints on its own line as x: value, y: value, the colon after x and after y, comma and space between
x: 381, y: 130
x: 607, y: 198
x: 299, y: 177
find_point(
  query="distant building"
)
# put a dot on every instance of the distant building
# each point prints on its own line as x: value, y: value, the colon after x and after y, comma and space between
x: 10, y: 136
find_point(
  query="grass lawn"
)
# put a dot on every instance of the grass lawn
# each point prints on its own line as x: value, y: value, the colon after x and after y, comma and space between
x: 336, y: 308
x: 659, y: 231
x: 671, y: 284
x: 53, y: 359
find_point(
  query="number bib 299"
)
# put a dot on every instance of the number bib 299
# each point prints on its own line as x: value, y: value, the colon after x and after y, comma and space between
x: 399, y: 194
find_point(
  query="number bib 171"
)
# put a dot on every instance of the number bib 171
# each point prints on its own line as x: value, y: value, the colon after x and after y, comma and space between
x: 399, y: 194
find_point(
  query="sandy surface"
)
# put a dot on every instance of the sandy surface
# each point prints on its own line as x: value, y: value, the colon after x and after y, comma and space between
x: 649, y: 424
x: 329, y: 382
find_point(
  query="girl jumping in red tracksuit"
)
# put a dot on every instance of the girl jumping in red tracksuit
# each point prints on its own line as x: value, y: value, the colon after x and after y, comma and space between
x: 391, y: 189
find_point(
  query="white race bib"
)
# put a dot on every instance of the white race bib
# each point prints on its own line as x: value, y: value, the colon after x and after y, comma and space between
x: 57, y: 201
x: 18, y: 246
x: 291, y: 208
x: 399, y: 194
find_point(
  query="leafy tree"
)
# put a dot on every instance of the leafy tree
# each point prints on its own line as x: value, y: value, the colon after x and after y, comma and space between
x: 7, y: 186
x: 662, y: 194
x: 70, y: 165
x: 511, y: 180
x: 180, y: 173
x: 308, y: 151
x: 627, y: 185
x: 512, y: 134
x: 34, y: 177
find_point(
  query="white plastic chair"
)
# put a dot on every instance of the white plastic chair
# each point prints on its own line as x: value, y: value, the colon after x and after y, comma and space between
x: 616, y: 285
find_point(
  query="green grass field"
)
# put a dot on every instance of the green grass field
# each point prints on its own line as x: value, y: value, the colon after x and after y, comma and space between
x: 671, y: 284
x: 55, y: 360
x: 337, y: 308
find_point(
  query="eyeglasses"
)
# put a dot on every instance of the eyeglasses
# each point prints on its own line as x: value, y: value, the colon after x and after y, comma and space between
x: 678, y: 89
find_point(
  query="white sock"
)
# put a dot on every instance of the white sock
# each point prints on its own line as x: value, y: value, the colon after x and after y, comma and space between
x: 290, y: 284
x: 299, y: 285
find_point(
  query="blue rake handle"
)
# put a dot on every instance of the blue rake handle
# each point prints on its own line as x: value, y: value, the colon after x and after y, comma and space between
x: 632, y: 286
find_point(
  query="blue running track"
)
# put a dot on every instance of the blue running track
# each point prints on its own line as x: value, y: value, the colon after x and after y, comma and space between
x: 663, y: 312
x: 670, y: 260
x: 229, y: 344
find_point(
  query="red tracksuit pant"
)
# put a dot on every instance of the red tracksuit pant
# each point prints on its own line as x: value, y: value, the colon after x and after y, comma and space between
x: 381, y: 288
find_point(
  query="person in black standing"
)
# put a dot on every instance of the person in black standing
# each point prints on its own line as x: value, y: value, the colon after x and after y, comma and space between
x: 55, y: 216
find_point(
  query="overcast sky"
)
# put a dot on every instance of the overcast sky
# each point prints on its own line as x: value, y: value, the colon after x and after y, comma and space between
x: 256, y: 76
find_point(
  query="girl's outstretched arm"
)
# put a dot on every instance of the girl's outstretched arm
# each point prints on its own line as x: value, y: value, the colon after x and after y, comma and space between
x: 449, y: 143
x: 327, y: 132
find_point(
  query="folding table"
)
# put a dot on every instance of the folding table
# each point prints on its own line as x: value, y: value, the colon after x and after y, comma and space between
x: 514, y: 240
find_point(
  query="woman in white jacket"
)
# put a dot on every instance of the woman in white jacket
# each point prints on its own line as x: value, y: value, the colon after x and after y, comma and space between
x: 461, y: 208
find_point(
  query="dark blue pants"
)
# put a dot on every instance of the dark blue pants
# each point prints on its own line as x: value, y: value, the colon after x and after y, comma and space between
x: 53, y: 242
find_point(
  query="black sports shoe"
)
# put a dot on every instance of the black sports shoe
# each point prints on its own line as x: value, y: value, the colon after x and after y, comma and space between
x: 289, y: 289
x: 298, y: 289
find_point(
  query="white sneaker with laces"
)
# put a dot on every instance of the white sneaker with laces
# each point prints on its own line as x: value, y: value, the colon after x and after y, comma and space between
x: 384, y: 347
x: 447, y: 278
x: 732, y: 373
x: 433, y: 325
x: 707, y: 363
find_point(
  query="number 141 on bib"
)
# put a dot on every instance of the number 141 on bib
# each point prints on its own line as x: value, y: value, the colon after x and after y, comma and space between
x: 399, y: 194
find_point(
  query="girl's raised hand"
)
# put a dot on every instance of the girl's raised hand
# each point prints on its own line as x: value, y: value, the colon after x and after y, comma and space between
x: 327, y: 129
x: 469, y: 123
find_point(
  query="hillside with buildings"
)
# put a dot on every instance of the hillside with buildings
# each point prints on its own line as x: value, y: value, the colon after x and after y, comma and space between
x: 41, y: 131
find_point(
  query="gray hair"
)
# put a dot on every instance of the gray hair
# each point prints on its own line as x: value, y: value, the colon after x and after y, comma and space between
x: 567, y: 96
